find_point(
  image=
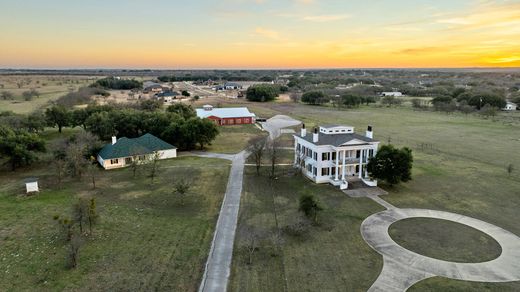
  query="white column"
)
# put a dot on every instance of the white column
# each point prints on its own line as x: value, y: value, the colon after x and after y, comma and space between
x: 344, y: 165
x: 337, y: 166
x: 360, y: 163
x: 296, y: 154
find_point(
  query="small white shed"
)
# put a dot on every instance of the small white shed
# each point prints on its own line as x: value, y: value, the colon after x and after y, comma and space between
x: 31, y: 185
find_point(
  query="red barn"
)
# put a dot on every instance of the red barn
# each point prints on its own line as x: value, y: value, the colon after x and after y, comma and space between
x: 227, y: 116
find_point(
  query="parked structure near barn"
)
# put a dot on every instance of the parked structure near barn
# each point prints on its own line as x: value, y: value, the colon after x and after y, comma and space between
x: 226, y: 116
x: 123, y: 152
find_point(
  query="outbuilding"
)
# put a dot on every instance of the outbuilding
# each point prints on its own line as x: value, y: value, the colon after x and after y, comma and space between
x: 226, y: 116
x: 31, y: 185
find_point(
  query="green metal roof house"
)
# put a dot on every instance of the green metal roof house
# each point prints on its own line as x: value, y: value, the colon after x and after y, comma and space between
x: 122, y: 152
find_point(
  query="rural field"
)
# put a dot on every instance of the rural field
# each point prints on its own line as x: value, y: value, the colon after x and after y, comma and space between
x: 145, y: 239
x: 460, y: 166
x: 49, y: 87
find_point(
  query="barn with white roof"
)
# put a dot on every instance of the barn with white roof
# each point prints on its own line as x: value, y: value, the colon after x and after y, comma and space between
x: 226, y: 116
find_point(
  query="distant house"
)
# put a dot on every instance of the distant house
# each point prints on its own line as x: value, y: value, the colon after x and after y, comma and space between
x: 510, y: 106
x: 122, y: 152
x: 228, y: 86
x: 392, y: 93
x: 167, y: 96
x: 153, y: 87
x: 226, y: 116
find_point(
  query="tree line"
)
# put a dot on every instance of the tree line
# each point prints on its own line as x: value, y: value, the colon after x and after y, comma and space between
x: 264, y: 92
x: 178, y: 125
x: 117, y: 83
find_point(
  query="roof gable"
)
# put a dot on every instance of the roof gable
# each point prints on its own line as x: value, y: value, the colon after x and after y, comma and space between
x: 231, y: 112
x: 124, y: 147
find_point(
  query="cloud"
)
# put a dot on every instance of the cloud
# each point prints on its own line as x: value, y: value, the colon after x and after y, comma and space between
x: 268, y: 33
x: 314, y: 18
x: 306, y: 2
x: 511, y: 59
x: 326, y: 17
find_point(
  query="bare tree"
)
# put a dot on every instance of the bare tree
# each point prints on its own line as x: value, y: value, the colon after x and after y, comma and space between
x: 60, y: 169
x: 273, y: 156
x: 251, y: 243
x: 295, y: 96
x: 80, y: 212
x: 257, y: 151
x: 92, y: 215
x: 75, y: 243
x: 153, y: 163
x: 92, y: 171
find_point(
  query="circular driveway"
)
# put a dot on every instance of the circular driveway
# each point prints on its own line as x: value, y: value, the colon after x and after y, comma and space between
x: 505, y: 268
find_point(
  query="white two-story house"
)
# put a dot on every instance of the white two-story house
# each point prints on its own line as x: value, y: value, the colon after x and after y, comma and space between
x: 335, y: 154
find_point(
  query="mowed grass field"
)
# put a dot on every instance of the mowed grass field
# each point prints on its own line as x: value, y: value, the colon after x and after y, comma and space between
x: 329, y: 256
x: 50, y: 88
x: 145, y: 240
x: 460, y: 166
x: 233, y: 139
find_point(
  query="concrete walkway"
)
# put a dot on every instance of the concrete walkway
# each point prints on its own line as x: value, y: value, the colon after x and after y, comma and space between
x: 218, y: 265
x: 402, y: 268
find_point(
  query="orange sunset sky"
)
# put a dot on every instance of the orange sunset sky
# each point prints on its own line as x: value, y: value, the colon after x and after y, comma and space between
x: 259, y: 34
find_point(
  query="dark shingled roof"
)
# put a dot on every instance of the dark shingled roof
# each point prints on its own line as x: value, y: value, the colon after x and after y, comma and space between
x: 336, y: 139
x: 124, y: 147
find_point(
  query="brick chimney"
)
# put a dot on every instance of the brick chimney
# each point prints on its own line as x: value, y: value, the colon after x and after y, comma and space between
x: 315, y: 136
x: 304, y: 131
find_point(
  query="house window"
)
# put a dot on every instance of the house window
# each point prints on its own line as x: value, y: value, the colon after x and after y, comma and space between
x: 371, y: 153
x: 358, y: 153
x: 114, y: 161
x: 333, y: 155
x: 325, y: 171
x: 315, y: 171
x: 239, y: 121
x: 315, y: 156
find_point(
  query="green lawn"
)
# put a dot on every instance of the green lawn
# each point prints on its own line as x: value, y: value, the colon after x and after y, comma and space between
x: 444, y: 240
x: 331, y: 256
x: 233, y: 139
x: 459, y: 164
x: 145, y: 239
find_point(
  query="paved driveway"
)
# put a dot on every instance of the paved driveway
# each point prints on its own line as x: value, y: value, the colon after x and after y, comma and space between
x: 402, y: 268
x: 218, y: 265
x: 216, y: 273
x: 278, y: 122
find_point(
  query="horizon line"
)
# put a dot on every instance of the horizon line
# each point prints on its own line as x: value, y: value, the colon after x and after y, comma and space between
x: 250, y: 69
